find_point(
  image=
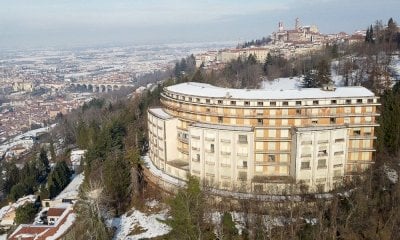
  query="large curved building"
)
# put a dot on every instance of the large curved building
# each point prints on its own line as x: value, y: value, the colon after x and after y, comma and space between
x: 263, y: 140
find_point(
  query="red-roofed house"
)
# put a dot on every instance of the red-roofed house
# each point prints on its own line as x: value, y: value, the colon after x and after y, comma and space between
x: 46, y: 232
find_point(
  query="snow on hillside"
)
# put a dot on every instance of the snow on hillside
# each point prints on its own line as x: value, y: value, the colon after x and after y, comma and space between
x: 391, y: 174
x: 72, y: 190
x: 20, y: 202
x: 136, y: 224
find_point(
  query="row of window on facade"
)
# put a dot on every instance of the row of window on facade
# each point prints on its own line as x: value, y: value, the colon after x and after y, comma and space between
x: 271, y: 103
x: 321, y: 164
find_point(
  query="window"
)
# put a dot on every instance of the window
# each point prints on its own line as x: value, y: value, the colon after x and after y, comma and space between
x: 305, y: 165
x: 220, y: 101
x: 338, y: 153
x: 198, y: 157
x: 246, y: 103
x: 242, y: 176
x: 315, y: 102
x: 322, y: 153
x: 197, y: 99
x: 339, y: 140
x: 285, y: 103
x: 271, y: 158
x: 212, y: 148
x: 348, y: 101
x: 233, y: 102
x: 333, y: 102
x: 242, y: 138
x: 245, y: 164
x: 208, y: 101
x: 260, y: 104
x: 314, y: 121
x: 359, y: 100
x: 321, y: 163
x: 260, y: 121
x: 298, y: 111
x: 258, y: 188
x: 298, y: 103
x: 272, y: 103
x: 332, y: 120
x: 356, y: 132
x: 370, y: 100
x: 220, y: 119
x: 208, y: 110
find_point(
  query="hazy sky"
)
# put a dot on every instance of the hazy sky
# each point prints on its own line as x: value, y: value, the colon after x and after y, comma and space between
x: 64, y: 23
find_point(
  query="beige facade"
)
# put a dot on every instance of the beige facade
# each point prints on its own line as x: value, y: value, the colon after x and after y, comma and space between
x: 263, y: 140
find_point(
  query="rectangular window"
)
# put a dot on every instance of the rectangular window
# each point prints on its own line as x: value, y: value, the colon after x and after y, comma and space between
x: 233, y: 102
x: 333, y: 102
x: 212, y: 148
x: 305, y: 165
x: 245, y: 164
x: 272, y: 103
x: 321, y: 163
x: 298, y: 103
x: 260, y: 104
x: 315, y: 102
x: 359, y: 100
x: 246, y: 103
x: 370, y: 100
x: 220, y: 119
x: 348, y: 101
x: 198, y: 157
x: 242, y: 176
x: 338, y: 153
x: 242, y: 138
x: 271, y: 158
x: 356, y: 132
x: 339, y: 140
x: 322, y: 153
x: 197, y: 99
x: 314, y: 121
x: 332, y: 120
x: 260, y: 121
x: 220, y: 101
x: 208, y: 110
x: 285, y: 103
x: 298, y: 111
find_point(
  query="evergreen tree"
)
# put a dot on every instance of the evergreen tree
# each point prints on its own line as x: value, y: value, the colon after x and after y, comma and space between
x: 323, y: 73
x: 117, y: 181
x: 42, y: 165
x: 309, y: 80
x: 58, y: 179
x: 187, y: 212
x: 229, y: 230
x: 25, y: 214
x: 19, y: 190
x: 198, y: 76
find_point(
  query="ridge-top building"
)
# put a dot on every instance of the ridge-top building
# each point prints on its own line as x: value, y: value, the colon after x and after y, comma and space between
x: 263, y: 140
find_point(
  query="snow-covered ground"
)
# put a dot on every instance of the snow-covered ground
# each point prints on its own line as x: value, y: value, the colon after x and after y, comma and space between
x: 139, y: 225
x: 20, y: 139
x: 21, y: 201
x: 391, y: 174
x: 72, y: 190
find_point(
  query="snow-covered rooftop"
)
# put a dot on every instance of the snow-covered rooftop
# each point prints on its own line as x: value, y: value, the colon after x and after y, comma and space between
x: 287, y: 91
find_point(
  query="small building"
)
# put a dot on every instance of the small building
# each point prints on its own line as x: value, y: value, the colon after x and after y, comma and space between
x: 54, y: 214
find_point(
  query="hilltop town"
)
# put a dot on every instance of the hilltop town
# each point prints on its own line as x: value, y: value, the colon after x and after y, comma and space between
x: 284, y: 42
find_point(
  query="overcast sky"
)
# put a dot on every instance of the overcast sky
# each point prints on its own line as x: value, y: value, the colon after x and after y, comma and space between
x: 64, y: 23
